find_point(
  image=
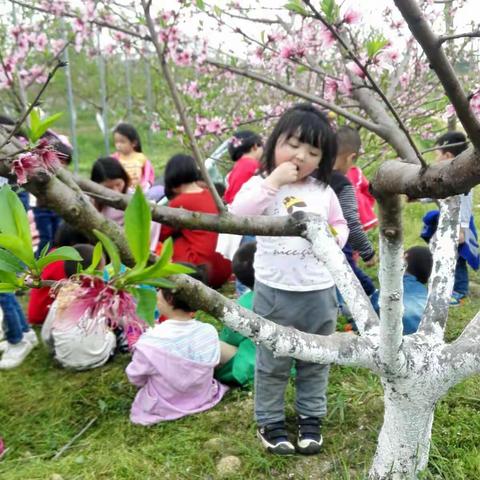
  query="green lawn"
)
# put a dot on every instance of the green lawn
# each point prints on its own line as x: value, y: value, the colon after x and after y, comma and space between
x: 42, y: 407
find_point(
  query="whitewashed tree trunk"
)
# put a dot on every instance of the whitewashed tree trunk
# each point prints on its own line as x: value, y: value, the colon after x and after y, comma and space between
x: 404, y: 441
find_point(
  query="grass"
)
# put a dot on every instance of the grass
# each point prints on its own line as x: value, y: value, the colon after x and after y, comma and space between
x: 42, y: 407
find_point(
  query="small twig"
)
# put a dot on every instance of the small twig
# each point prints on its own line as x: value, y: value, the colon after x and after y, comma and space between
x: 446, y: 38
x: 440, y: 147
x: 59, y: 64
x: 377, y: 89
x: 100, y: 23
x: 249, y: 73
x: 76, y: 437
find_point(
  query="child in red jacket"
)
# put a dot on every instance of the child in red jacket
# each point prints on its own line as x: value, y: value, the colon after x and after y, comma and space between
x: 40, y: 298
x: 245, y: 149
x: 193, y: 246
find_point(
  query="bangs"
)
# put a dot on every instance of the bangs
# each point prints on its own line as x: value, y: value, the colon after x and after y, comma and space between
x: 306, y: 127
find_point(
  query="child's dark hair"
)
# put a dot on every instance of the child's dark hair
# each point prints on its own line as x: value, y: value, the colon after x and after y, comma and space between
x: 242, y: 264
x: 109, y: 168
x: 86, y: 252
x: 311, y: 126
x: 199, y: 273
x: 419, y: 263
x: 348, y: 140
x: 130, y: 132
x: 180, y: 169
x: 242, y: 142
x: 68, y: 236
x: 450, y: 138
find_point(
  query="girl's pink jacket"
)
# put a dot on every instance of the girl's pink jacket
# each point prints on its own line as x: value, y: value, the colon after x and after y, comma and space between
x: 171, y: 386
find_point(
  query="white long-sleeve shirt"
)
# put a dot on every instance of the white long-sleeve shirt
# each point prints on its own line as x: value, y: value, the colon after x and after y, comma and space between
x: 288, y: 263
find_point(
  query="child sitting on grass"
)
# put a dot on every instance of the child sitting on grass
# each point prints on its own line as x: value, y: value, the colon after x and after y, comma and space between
x: 173, y: 365
x: 74, y: 346
x: 238, y: 352
x: 415, y: 292
x: 42, y: 298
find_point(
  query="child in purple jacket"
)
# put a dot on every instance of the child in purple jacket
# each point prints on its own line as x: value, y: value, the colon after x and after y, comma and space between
x: 173, y: 364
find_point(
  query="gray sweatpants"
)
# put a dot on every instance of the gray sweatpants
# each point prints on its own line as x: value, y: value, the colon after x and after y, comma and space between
x: 311, y: 312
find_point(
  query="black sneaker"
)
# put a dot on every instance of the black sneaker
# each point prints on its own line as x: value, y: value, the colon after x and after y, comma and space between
x: 309, y: 438
x: 274, y: 438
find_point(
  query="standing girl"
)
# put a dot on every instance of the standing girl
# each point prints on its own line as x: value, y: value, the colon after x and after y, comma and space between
x: 129, y: 153
x: 292, y: 287
x: 245, y: 149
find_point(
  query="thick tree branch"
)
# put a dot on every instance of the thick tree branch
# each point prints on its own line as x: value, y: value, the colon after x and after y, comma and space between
x: 439, y: 62
x: 391, y: 133
x: 441, y: 281
x: 177, y: 217
x: 327, y: 250
x: 391, y: 280
x: 440, y: 180
x: 462, y: 357
x: 341, y: 348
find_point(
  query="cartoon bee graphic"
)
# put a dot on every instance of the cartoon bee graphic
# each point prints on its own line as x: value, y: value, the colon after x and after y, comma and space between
x: 291, y: 203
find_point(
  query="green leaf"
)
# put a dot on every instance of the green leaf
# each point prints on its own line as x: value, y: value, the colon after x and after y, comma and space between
x: 146, y: 303
x: 9, y: 262
x: 35, y: 121
x: 112, y: 251
x: 9, y: 277
x: 61, y: 253
x: 176, y: 269
x: 13, y: 217
x: 296, y: 6
x: 375, y: 45
x: 159, y: 283
x: 161, y: 268
x: 217, y: 10
x: 200, y: 4
x: 45, y: 250
x: 46, y: 123
x: 96, y: 259
x: 16, y: 246
x: 331, y: 10
x: 7, y: 288
x: 137, y: 227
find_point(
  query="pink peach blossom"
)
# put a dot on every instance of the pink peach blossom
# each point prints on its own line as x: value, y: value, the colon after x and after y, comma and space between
x: 25, y: 165
x: 330, y: 89
x: 355, y: 69
x: 352, y: 16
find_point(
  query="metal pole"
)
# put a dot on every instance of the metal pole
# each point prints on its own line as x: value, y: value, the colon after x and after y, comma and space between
x: 148, y: 78
x: 71, y: 107
x: 103, y: 93
x: 129, y: 88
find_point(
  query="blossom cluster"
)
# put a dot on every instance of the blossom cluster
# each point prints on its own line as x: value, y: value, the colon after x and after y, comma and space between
x: 42, y: 158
